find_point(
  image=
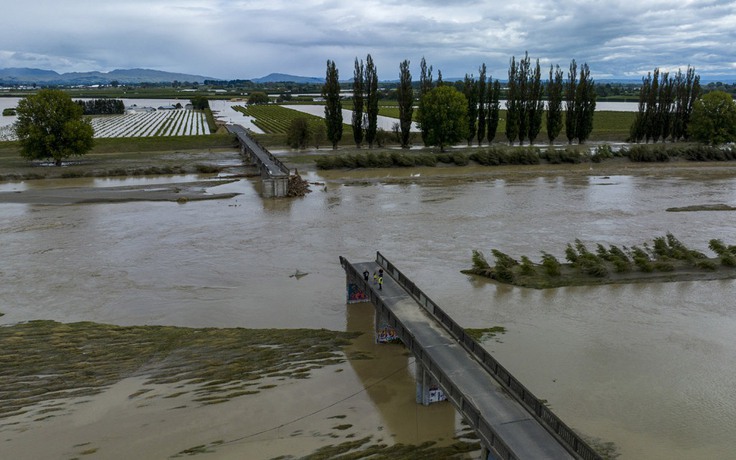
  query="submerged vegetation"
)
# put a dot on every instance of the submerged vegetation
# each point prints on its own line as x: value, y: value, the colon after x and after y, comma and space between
x: 667, y: 259
x: 47, y: 361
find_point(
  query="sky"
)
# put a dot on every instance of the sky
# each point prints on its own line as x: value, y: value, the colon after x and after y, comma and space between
x: 244, y: 39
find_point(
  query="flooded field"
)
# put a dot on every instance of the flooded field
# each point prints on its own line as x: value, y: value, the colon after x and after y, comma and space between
x: 644, y: 366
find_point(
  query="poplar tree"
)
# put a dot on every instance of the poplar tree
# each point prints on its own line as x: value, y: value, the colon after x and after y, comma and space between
x: 650, y: 114
x: 665, y: 107
x: 425, y: 86
x: 371, y: 110
x: 358, y: 101
x: 512, y: 106
x: 638, y: 127
x: 570, y: 92
x: 470, y: 91
x: 535, y: 104
x: 522, y: 96
x: 554, y: 103
x: 333, y: 105
x: 584, y: 104
x: 494, y: 109
x: 482, y: 104
x: 405, y: 94
x: 687, y: 90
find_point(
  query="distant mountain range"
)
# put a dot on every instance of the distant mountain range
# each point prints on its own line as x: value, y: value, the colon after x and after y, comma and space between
x: 26, y: 76
x: 282, y: 77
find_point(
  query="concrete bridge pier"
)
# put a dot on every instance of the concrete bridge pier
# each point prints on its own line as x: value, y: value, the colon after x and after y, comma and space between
x: 428, y: 390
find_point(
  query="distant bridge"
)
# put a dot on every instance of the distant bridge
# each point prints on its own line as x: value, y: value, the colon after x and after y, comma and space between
x: 510, y: 421
x: 274, y: 174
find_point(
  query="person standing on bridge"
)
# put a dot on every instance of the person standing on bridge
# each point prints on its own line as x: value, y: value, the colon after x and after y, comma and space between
x: 380, y: 282
x: 375, y: 278
x: 365, y: 274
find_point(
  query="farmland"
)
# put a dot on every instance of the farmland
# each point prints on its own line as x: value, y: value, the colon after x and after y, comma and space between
x: 147, y: 124
x: 273, y: 119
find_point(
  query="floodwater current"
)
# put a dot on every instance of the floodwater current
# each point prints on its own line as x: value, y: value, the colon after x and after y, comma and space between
x: 648, y: 367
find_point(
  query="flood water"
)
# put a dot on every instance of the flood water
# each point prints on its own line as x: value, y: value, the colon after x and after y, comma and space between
x: 649, y: 367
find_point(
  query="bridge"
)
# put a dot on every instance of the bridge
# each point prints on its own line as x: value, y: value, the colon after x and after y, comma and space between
x: 510, y: 421
x: 274, y: 174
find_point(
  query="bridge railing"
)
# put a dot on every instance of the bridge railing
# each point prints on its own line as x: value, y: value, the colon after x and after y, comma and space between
x: 253, y: 144
x: 488, y: 435
x: 573, y: 442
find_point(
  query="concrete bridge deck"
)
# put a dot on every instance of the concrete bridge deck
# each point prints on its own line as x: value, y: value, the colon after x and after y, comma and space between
x: 503, y: 424
x: 274, y: 174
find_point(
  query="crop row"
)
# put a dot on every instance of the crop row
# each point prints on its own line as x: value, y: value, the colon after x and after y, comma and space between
x: 147, y: 124
x: 273, y: 119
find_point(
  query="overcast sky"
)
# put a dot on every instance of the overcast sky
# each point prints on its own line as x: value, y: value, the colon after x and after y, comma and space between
x: 232, y: 39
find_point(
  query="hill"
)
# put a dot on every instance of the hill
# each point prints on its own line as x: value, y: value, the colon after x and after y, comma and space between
x: 283, y: 78
x: 26, y: 76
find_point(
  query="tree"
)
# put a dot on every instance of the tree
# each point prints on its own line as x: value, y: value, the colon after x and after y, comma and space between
x: 482, y: 104
x: 494, y: 109
x: 535, y: 104
x: 584, y: 104
x: 570, y: 92
x: 371, y: 109
x: 258, y: 97
x: 425, y: 86
x: 298, y: 133
x: 405, y: 96
x: 51, y: 125
x: 358, y: 99
x: 333, y: 105
x: 713, y: 119
x: 687, y: 91
x: 200, y: 103
x: 513, y: 111
x: 554, y: 103
x: 443, y: 114
x: 470, y: 90
x: 580, y: 97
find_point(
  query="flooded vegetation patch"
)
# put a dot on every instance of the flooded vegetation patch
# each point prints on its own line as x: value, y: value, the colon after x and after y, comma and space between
x: 702, y: 207
x: 667, y: 259
x: 46, y: 360
x: 485, y: 333
x: 365, y: 448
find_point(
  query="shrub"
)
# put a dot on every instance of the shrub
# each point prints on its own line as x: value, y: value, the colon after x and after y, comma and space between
x: 460, y: 159
x: 551, y: 264
x: 527, y: 267
x: 648, y: 153
x: 479, y: 260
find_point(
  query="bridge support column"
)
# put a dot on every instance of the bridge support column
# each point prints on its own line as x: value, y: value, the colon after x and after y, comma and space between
x: 428, y: 391
x: 354, y: 293
x: 385, y: 332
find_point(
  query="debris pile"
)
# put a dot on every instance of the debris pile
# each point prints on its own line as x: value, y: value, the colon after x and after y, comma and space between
x: 297, y: 185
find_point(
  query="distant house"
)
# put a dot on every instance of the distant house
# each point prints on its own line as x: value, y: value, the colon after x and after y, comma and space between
x: 136, y: 109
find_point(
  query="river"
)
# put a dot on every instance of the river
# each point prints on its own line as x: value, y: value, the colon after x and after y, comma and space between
x: 648, y: 367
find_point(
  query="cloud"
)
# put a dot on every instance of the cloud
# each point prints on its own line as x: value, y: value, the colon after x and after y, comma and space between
x: 247, y: 38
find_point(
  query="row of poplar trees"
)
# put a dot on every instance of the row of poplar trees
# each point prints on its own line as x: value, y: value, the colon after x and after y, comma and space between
x: 525, y: 102
x: 665, y: 106
x: 525, y: 106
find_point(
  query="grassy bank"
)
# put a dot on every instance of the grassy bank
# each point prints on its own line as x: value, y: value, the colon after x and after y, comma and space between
x: 125, y: 157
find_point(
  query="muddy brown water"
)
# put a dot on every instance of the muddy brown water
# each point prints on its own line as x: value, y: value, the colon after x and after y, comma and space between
x: 647, y: 366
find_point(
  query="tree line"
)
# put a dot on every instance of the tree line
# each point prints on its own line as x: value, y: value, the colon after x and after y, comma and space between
x: 102, y: 106
x: 665, y: 106
x: 469, y: 110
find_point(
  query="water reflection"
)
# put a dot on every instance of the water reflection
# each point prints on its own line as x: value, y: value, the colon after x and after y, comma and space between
x: 388, y: 377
